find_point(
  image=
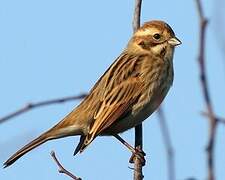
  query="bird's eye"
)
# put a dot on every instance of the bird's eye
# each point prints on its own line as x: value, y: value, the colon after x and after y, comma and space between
x: 156, y: 36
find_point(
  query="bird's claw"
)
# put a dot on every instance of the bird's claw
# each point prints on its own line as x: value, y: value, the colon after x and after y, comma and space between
x: 140, y: 154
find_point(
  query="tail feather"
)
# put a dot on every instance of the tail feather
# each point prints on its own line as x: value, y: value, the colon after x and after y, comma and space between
x: 60, y: 130
x: 33, y: 144
x: 79, y: 146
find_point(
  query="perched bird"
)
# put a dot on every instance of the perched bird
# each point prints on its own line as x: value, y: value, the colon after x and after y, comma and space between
x: 127, y: 93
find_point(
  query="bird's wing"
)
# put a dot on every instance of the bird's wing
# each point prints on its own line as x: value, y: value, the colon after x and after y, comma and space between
x: 113, y: 106
x: 115, y: 93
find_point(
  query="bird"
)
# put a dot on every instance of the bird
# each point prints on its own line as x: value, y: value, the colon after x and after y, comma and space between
x: 130, y: 90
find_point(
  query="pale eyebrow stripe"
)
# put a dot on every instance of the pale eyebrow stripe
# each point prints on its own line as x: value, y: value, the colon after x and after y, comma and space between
x: 146, y: 32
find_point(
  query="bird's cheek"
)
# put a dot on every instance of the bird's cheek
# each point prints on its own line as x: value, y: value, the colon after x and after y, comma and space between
x: 157, y: 49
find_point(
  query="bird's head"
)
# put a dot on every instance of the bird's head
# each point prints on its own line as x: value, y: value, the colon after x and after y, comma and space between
x: 156, y: 37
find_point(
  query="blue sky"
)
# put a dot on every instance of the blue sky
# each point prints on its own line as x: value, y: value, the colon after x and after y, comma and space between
x: 58, y: 48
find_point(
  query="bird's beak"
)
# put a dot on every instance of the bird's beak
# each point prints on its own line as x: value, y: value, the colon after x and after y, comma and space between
x: 174, y: 41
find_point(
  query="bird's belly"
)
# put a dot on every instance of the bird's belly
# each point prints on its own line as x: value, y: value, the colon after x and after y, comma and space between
x: 132, y: 119
x: 141, y: 111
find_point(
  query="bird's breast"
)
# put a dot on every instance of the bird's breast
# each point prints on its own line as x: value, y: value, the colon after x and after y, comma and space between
x: 157, y: 79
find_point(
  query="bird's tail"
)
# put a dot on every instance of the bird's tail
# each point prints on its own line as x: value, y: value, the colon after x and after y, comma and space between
x: 33, y: 144
x: 62, y: 129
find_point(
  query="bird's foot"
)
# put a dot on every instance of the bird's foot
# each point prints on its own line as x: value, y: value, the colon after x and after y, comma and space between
x: 140, y: 154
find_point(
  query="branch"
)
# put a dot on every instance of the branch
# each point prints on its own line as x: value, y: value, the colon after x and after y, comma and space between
x: 204, y: 84
x: 31, y: 106
x: 167, y: 143
x: 62, y: 169
x: 137, y: 15
x: 138, y: 174
x: 218, y: 119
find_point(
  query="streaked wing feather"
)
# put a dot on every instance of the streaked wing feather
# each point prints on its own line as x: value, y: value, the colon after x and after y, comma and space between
x: 116, y: 91
x: 114, y: 105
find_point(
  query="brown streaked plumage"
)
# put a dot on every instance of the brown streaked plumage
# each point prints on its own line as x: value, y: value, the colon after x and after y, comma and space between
x: 128, y: 92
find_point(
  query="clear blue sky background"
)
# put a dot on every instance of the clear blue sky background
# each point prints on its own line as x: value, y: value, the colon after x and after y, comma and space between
x: 58, y: 48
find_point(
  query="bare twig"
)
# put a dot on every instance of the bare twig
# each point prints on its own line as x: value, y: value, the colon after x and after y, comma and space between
x: 205, y: 91
x: 31, y: 106
x: 137, y: 15
x: 218, y: 119
x: 138, y: 174
x: 168, y: 144
x: 62, y: 169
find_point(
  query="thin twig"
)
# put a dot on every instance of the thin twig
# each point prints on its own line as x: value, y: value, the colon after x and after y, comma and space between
x: 31, y: 106
x: 137, y: 15
x: 204, y: 84
x: 168, y: 144
x: 138, y: 174
x: 218, y: 119
x: 62, y: 169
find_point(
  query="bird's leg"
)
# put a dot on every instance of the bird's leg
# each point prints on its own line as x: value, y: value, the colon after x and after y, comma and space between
x: 136, y: 152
